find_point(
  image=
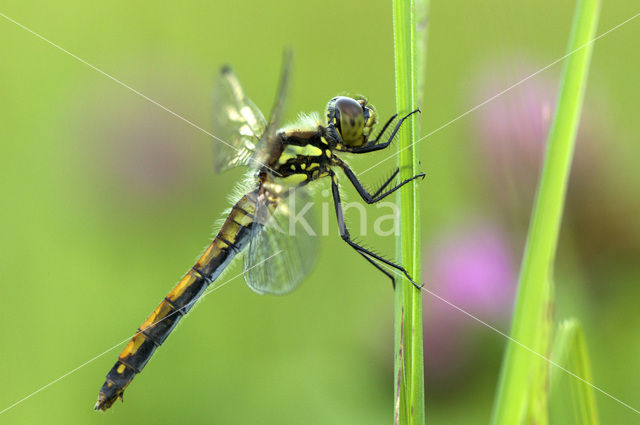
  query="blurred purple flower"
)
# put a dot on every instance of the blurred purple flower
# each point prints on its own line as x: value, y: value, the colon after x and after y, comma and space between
x: 148, y: 156
x: 511, y: 132
x: 473, y: 269
x: 137, y: 151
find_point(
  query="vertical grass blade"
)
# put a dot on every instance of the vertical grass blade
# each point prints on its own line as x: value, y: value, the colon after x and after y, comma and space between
x: 571, y: 401
x: 409, y: 69
x: 521, y: 394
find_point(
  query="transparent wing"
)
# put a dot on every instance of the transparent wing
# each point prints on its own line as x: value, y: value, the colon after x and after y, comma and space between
x: 283, y: 244
x: 236, y: 121
x: 268, y: 142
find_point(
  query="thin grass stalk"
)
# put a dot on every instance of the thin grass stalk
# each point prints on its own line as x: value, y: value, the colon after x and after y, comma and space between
x: 521, y: 394
x: 408, y: 364
x: 571, y: 401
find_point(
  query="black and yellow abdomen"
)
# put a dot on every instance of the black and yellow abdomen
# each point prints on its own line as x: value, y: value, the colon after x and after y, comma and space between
x: 230, y: 240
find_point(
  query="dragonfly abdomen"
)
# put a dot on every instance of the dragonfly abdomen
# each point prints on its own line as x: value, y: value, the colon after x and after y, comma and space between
x: 230, y: 240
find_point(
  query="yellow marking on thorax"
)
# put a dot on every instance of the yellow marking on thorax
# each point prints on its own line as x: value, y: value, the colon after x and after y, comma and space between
x: 293, y: 151
x: 324, y: 140
x: 121, y: 369
x: 284, y: 157
x: 311, y: 150
x: 294, y: 179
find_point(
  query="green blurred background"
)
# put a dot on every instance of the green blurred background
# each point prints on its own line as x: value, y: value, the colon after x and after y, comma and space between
x: 107, y: 199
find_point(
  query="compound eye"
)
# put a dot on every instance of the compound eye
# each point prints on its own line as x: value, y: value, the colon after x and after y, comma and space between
x: 350, y: 119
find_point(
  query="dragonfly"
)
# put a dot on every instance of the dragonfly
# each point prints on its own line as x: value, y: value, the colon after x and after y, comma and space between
x: 281, y: 164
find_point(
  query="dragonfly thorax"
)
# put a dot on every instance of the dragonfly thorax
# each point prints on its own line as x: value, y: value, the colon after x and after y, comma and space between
x: 303, y: 156
x: 352, y: 119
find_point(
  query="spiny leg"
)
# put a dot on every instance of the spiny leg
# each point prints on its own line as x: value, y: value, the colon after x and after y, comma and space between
x: 384, y: 128
x: 373, y: 145
x: 344, y: 233
x: 386, y: 182
x: 377, y: 266
x: 377, y: 196
x: 355, y: 180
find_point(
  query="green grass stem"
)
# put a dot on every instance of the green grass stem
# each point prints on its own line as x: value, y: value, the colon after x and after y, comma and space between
x: 571, y: 401
x: 409, y: 27
x: 521, y: 394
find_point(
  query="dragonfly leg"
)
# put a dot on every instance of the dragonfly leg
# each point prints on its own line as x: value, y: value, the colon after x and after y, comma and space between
x: 384, y: 128
x: 377, y: 266
x: 376, y: 196
x: 386, y: 183
x: 373, y: 145
x: 344, y: 233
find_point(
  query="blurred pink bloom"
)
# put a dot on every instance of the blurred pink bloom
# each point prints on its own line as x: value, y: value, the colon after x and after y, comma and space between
x: 473, y: 269
x: 149, y: 155
x: 511, y: 132
x: 137, y: 150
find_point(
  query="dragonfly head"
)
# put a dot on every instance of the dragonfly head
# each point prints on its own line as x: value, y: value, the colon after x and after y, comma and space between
x: 351, y: 118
